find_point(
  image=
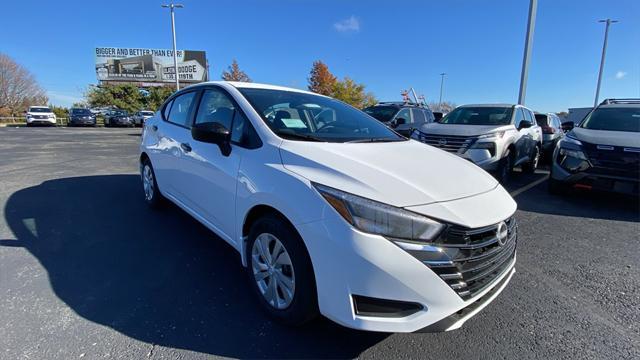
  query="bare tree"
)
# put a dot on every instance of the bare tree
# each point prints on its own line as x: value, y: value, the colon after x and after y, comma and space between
x: 444, y: 107
x: 18, y: 87
x: 234, y: 73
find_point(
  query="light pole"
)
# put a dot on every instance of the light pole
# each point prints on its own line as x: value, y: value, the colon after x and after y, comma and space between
x: 608, y: 23
x: 442, y: 75
x: 528, y: 44
x: 173, y: 32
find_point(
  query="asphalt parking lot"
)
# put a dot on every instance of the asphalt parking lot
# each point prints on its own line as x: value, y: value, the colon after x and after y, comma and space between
x: 87, y: 271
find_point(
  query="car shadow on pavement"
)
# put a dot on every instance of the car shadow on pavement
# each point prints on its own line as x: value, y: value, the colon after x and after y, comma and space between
x: 577, y: 203
x: 156, y: 276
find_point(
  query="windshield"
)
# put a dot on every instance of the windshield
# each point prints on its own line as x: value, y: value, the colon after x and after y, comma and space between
x: 80, y: 112
x: 308, y: 117
x: 382, y: 113
x: 146, y: 113
x: 613, y: 119
x: 481, y: 115
x: 120, y: 113
x: 40, y: 109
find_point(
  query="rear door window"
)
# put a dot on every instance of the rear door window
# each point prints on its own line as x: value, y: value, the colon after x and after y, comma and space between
x: 418, y: 116
x: 179, y: 113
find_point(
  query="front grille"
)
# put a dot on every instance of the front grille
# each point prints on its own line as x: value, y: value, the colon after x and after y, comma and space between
x: 469, y: 260
x: 613, y: 160
x: 450, y: 143
x: 40, y: 116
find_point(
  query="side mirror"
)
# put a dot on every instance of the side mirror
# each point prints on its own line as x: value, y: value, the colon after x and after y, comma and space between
x: 567, y: 126
x: 400, y: 121
x: 438, y: 116
x: 213, y: 133
x: 524, y: 124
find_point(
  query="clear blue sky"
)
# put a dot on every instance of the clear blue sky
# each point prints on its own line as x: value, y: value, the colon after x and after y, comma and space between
x: 389, y: 47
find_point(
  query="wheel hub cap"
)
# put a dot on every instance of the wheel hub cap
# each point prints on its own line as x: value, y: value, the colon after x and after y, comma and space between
x: 273, y: 271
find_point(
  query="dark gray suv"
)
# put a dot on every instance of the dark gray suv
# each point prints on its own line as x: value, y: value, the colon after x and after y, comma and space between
x: 403, y: 117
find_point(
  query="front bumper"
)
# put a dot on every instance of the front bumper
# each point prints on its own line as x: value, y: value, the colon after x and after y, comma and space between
x: 482, y: 158
x: 350, y: 263
x: 600, y: 181
x: 48, y: 121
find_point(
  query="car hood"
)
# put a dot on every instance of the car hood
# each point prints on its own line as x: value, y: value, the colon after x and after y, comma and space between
x: 461, y: 130
x: 605, y: 137
x: 405, y: 173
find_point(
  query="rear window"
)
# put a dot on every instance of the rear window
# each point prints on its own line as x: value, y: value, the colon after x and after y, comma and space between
x: 542, y: 120
x: 147, y: 113
x: 613, y: 119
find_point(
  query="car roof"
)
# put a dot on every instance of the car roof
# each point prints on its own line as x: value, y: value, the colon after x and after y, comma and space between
x: 248, y: 85
x: 627, y: 106
x: 38, y: 107
x: 489, y: 105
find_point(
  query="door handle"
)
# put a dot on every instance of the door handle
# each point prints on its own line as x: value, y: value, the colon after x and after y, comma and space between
x: 154, y: 127
x: 186, y: 147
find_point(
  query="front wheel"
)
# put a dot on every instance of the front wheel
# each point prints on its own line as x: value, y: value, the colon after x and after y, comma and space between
x: 280, y: 271
x: 505, y: 168
x: 531, y: 166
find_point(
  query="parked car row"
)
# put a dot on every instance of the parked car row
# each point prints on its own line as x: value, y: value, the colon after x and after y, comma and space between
x: 42, y: 115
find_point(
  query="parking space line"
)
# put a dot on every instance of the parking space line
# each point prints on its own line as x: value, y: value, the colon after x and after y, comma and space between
x: 527, y: 187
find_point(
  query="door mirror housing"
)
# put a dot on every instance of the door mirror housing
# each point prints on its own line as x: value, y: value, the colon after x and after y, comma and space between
x: 524, y: 124
x: 213, y: 133
x: 567, y: 126
x: 400, y: 121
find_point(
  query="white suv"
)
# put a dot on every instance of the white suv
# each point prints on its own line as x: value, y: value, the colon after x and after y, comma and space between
x: 40, y: 115
x: 330, y: 211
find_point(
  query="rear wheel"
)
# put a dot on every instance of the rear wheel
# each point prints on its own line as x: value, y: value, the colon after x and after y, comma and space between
x: 152, y: 195
x: 531, y: 166
x: 280, y: 271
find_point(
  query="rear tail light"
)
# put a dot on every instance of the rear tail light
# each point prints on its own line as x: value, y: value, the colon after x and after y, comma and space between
x: 548, y: 130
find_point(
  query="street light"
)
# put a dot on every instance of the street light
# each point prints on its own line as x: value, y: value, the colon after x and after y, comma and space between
x: 441, y: 87
x: 608, y: 23
x: 173, y: 32
x: 528, y: 44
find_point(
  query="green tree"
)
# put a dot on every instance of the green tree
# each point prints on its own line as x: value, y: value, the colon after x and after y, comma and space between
x: 352, y: 93
x: 59, y: 111
x: 156, y: 97
x: 233, y: 73
x: 321, y: 80
x: 123, y: 96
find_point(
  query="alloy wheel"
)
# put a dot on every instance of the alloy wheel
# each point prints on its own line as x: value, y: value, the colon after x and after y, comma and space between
x: 273, y: 271
x: 147, y: 182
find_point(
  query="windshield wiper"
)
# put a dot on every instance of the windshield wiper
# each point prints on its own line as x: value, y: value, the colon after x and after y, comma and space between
x: 374, y: 140
x: 299, y: 136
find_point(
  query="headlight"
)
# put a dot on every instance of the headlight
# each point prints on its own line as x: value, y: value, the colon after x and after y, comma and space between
x: 493, y: 135
x: 573, y: 153
x: 377, y: 218
x: 491, y: 146
x: 52, y: 116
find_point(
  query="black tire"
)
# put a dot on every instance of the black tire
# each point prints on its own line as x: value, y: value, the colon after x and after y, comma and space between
x: 154, y: 199
x: 557, y: 187
x: 530, y: 166
x: 304, y: 304
x: 505, y: 168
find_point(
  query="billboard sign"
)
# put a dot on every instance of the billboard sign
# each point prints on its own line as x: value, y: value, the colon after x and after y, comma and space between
x: 149, y: 65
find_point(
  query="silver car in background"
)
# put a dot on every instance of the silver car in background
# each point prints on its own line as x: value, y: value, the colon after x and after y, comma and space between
x: 496, y: 137
x: 551, y: 132
x: 141, y: 116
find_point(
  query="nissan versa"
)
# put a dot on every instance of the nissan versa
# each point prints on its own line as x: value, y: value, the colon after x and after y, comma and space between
x: 332, y: 212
